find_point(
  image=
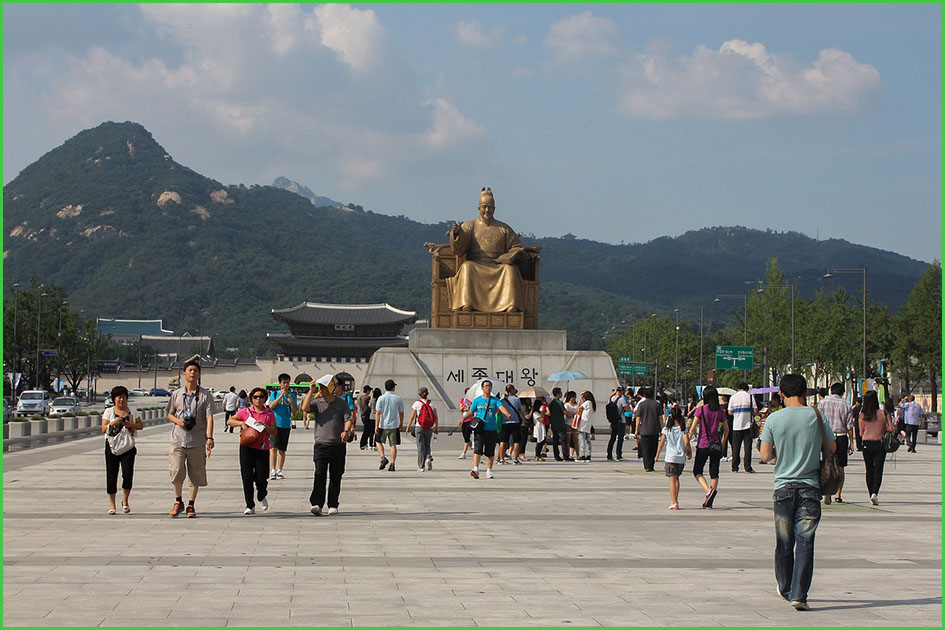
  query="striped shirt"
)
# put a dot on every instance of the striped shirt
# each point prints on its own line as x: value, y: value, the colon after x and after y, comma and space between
x: 837, y: 413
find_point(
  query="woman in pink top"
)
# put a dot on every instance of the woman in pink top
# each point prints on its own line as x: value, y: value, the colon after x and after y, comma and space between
x: 874, y: 422
x: 254, y: 458
x: 464, y: 404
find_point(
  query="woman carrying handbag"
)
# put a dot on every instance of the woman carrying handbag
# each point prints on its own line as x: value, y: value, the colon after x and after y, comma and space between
x: 874, y: 423
x: 256, y: 423
x: 119, y: 429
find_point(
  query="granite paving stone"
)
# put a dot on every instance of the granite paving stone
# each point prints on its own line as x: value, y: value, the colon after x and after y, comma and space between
x: 541, y: 545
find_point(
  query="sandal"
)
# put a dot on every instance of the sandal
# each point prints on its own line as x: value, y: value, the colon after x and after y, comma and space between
x: 125, y: 508
x: 111, y: 511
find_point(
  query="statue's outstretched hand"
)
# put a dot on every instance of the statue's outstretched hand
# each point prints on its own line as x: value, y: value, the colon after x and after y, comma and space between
x: 505, y: 259
x: 455, y: 231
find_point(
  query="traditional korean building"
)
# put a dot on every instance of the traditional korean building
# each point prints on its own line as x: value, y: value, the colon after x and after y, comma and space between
x: 340, y: 333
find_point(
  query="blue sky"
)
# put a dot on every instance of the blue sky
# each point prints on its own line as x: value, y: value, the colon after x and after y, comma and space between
x: 611, y: 122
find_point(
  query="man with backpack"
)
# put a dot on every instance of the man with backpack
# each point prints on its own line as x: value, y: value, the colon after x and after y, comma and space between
x: 428, y: 425
x: 615, y: 410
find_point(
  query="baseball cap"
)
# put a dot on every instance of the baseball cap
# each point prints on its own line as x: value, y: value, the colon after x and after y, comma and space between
x: 389, y: 384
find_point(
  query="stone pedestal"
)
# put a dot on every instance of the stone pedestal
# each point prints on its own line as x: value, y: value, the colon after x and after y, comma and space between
x: 447, y: 361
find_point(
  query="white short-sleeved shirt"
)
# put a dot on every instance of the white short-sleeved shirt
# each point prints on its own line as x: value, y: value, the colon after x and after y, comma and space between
x: 417, y: 406
x: 741, y: 405
x: 587, y: 417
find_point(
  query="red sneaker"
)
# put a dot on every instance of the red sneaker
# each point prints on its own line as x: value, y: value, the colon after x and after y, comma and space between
x: 191, y: 512
x: 177, y: 509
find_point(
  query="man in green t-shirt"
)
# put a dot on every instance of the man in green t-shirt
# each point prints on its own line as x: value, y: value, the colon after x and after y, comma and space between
x: 793, y: 438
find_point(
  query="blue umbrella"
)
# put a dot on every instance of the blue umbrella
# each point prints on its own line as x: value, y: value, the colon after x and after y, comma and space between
x: 569, y: 375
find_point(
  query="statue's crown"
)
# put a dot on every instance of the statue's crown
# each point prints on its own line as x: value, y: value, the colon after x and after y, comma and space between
x: 485, y: 196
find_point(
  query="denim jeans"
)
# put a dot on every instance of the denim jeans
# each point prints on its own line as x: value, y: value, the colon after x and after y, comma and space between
x: 617, y: 429
x: 796, y: 516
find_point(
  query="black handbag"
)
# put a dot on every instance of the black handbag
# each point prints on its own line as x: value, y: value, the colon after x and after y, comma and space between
x: 830, y: 473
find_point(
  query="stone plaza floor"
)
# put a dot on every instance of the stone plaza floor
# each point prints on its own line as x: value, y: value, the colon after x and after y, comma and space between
x: 542, y: 544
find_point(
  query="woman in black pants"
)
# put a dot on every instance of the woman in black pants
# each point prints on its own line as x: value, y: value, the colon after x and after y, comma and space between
x: 254, y: 458
x: 874, y: 422
x: 708, y: 423
x: 116, y: 419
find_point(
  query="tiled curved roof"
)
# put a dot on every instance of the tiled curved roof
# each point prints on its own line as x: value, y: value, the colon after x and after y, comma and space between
x: 356, y: 314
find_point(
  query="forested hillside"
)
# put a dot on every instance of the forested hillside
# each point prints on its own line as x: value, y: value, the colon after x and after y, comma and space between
x: 130, y: 233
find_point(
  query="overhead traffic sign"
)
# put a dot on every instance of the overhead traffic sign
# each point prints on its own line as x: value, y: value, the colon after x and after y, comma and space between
x: 734, y: 357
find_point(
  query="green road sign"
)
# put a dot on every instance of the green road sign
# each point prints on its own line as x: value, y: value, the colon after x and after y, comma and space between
x: 734, y: 357
x: 632, y: 369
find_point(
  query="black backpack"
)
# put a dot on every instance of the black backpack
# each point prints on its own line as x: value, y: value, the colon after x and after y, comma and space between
x: 613, y: 413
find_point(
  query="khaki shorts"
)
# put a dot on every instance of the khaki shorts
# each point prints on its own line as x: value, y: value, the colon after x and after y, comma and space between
x: 188, y: 462
x: 389, y: 436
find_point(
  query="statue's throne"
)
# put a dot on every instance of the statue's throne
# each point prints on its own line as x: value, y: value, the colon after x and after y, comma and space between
x: 445, y: 265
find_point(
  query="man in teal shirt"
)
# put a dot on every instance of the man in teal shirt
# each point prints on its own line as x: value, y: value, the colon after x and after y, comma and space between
x: 793, y: 438
x: 486, y: 409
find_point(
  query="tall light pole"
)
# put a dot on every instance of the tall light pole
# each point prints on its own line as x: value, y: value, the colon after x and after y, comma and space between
x: 719, y: 298
x: 831, y: 273
x: 59, y: 345
x: 39, y: 317
x: 761, y: 289
x: 16, y: 304
x: 676, y: 366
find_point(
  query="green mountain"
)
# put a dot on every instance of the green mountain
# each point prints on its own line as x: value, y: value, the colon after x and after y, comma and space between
x: 130, y: 233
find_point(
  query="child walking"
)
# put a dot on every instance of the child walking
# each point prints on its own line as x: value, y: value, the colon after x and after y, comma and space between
x: 673, y: 437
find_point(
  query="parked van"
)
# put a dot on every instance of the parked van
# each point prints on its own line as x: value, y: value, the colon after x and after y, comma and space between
x: 33, y: 402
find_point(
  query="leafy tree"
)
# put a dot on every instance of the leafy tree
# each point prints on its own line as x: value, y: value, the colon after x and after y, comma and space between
x: 919, y: 339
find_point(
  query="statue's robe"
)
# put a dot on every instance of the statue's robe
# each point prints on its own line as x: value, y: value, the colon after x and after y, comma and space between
x: 482, y: 283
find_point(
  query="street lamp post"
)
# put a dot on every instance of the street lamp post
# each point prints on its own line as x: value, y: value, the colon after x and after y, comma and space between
x: 719, y: 298
x: 59, y: 345
x: 39, y: 317
x: 676, y: 366
x: 830, y: 273
x: 16, y: 304
x: 761, y: 289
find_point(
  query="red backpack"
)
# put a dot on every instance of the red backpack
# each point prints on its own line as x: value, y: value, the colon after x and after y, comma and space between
x: 425, y: 416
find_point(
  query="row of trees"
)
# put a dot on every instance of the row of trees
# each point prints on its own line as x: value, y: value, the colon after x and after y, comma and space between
x: 828, y: 337
x: 38, y: 318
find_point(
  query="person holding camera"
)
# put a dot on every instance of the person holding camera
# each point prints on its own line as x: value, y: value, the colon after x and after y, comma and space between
x: 117, y: 420
x: 334, y: 428
x: 190, y: 408
x: 256, y: 424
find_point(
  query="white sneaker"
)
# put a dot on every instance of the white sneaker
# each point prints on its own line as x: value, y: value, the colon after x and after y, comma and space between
x: 265, y: 504
x: 249, y: 511
x: 462, y: 456
x: 429, y: 463
x: 279, y: 474
x: 332, y: 511
x: 874, y: 500
x: 272, y: 473
x: 316, y: 510
x: 420, y: 469
x: 489, y: 474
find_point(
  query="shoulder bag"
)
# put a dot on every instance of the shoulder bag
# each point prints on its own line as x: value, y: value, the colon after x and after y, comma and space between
x: 249, y: 435
x: 120, y: 441
x: 830, y: 473
x: 890, y: 439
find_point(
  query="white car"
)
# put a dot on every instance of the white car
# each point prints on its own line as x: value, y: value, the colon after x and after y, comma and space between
x: 67, y: 405
x: 137, y: 391
x: 218, y: 396
x: 33, y: 402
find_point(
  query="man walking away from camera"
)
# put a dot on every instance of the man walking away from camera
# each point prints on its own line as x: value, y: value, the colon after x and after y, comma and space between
x: 793, y: 437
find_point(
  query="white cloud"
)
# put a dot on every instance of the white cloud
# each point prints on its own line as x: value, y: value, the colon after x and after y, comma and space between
x: 581, y: 36
x: 450, y: 126
x: 353, y: 34
x: 287, y: 26
x: 745, y: 81
x: 473, y: 33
